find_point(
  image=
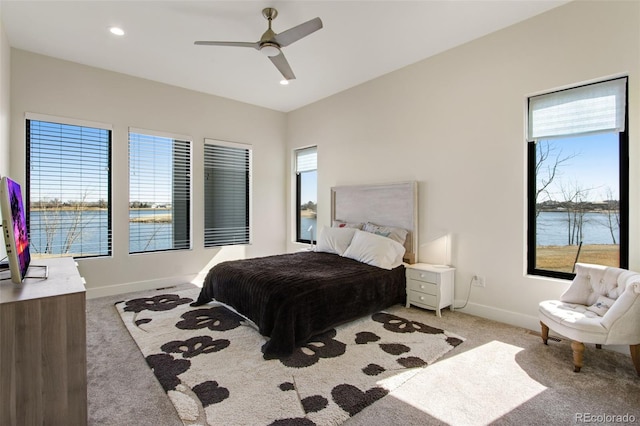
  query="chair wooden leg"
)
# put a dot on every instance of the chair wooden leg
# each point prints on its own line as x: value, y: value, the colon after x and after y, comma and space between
x: 578, y: 352
x: 544, y: 332
x: 635, y: 357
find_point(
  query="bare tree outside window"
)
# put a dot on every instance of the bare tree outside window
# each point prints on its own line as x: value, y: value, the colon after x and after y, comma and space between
x: 574, y: 217
x: 68, y: 171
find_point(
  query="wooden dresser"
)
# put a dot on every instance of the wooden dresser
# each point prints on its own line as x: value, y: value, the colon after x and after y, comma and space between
x: 43, y: 362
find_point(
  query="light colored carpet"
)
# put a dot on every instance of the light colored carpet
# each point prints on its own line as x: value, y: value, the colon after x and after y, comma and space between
x: 208, y: 360
x: 500, y: 375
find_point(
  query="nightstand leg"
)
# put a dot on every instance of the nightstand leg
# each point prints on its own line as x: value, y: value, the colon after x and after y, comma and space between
x: 438, y: 313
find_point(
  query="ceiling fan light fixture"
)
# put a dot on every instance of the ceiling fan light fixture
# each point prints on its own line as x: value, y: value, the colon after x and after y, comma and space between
x: 116, y: 31
x: 270, y: 49
x: 284, y: 82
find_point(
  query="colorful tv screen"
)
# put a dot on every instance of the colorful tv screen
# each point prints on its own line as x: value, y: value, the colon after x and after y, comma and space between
x: 14, y: 224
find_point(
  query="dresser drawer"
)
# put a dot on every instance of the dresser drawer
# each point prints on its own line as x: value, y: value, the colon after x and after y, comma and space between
x: 426, y: 276
x: 422, y: 287
x: 418, y: 298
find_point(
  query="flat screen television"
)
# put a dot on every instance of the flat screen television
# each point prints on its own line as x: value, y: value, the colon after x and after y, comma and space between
x: 14, y: 229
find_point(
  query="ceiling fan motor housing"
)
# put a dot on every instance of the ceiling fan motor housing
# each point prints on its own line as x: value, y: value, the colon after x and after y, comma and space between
x: 270, y: 44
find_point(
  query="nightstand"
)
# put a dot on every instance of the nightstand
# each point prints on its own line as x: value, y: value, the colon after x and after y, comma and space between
x: 429, y: 286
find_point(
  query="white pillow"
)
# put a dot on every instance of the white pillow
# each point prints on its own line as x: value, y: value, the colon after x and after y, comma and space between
x: 375, y: 250
x: 342, y: 224
x: 334, y: 240
x: 601, y: 306
x: 396, y: 234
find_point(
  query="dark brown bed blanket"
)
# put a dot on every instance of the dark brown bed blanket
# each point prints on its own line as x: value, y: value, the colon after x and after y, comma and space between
x: 292, y: 297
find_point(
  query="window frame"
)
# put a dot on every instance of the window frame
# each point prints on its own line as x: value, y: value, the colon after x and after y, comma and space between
x: 248, y: 196
x: 298, y: 192
x: 623, y: 178
x: 188, y: 141
x: 297, y: 209
x: 29, y: 117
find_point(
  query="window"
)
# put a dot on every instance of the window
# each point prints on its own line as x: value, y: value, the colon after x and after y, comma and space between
x: 227, y: 193
x: 578, y: 165
x: 159, y: 192
x: 306, y: 194
x: 68, y: 187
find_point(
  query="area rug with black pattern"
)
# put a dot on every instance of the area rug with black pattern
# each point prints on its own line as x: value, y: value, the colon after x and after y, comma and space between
x: 209, y: 362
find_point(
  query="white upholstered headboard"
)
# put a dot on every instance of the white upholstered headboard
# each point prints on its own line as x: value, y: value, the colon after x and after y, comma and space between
x: 393, y: 204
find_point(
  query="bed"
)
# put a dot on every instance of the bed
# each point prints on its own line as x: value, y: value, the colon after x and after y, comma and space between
x: 293, y: 297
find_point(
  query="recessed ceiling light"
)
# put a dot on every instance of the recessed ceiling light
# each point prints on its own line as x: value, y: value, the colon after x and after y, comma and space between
x: 117, y: 31
x: 284, y: 82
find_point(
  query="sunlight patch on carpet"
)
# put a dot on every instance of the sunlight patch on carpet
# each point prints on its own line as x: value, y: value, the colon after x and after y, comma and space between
x: 209, y: 362
x: 484, y: 384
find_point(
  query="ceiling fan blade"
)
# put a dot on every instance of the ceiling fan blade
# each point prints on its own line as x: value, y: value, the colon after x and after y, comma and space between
x: 255, y: 45
x: 294, y: 34
x: 283, y: 66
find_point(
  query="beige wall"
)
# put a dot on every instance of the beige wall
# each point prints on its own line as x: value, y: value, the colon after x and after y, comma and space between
x: 456, y: 124
x: 50, y: 86
x: 5, y: 91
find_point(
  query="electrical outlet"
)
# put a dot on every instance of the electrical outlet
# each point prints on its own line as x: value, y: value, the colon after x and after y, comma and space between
x: 478, y: 280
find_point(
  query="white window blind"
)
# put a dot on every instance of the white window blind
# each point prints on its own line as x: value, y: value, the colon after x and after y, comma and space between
x: 227, y: 186
x: 69, y: 187
x: 306, y: 159
x: 586, y: 109
x: 159, y: 191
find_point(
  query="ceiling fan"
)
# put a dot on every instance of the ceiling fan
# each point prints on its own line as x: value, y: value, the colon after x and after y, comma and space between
x: 271, y: 44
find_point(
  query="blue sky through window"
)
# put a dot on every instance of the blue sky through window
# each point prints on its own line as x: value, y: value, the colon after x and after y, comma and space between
x: 68, y: 162
x: 150, y: 168
x: 309, y: 189
x: 592, y: 163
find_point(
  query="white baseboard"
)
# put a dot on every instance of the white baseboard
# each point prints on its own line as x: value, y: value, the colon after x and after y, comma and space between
x: 519, y: 320
x: 501, y: 315
x: 112, y: 290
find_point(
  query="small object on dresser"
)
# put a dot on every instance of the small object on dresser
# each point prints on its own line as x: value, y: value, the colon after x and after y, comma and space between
x: 429, y: 286
x: 310, y: 231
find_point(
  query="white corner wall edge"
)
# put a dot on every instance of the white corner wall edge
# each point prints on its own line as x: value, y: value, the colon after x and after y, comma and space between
x: 112, y: 290
x: 519, y: 320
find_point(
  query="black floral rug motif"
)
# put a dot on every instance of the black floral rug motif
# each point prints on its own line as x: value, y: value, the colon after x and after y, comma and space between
x: 209, y: 362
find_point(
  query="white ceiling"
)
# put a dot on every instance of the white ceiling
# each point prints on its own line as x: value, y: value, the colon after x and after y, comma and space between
x: 361, y: 40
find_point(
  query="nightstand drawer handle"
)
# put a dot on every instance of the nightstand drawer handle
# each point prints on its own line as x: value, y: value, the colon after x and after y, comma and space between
x: 421, y: 298
x: 422, y: 275
x: 421, y: 286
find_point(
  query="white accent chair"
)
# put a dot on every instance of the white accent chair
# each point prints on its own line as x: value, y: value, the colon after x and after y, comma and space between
x: 601, y: 306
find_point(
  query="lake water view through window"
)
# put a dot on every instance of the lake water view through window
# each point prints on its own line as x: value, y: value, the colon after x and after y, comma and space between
x: 578, y: 201
x: 578, y: 178
x: 94, y: 240
x: 68, y: 187
x: 306, y: 160
x: 159, y: 192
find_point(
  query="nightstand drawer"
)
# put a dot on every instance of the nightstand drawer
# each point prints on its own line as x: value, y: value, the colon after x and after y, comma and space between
x: 429, y: 300
x: 426, y: 276
x: 422, y: 287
